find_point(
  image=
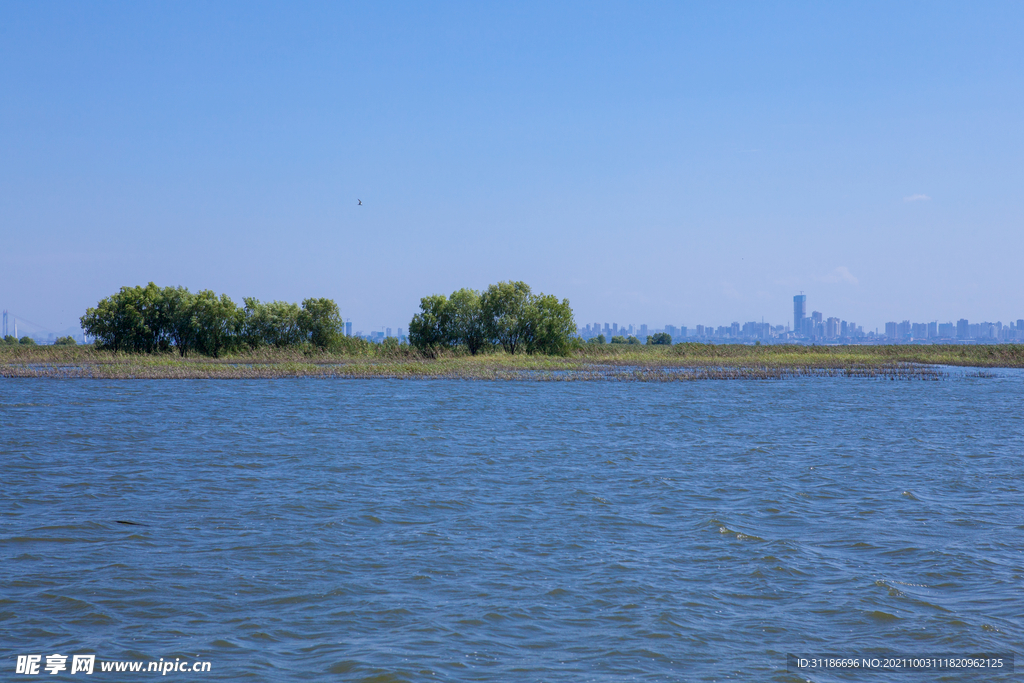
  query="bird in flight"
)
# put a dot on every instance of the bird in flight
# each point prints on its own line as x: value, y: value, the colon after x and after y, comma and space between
x: 360, y: 202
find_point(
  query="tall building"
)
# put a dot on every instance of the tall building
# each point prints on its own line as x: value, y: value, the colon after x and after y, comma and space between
x: 348, y: 329
x: 799, y: 311
x: 832, y: 328
x: 963, y: 329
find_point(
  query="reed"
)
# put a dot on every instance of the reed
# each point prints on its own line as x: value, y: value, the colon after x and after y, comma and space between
x: 682, y: 362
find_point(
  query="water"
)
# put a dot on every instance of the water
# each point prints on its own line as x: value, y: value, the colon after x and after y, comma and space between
x: 511, y: 531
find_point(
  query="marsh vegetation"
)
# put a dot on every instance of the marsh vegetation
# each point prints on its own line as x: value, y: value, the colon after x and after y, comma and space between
x: 361, y: 359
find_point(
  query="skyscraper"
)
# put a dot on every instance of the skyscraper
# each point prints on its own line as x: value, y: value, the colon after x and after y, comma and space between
x: 799, y: 311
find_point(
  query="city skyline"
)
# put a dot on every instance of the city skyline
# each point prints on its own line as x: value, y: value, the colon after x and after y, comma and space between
x: 803, y: 327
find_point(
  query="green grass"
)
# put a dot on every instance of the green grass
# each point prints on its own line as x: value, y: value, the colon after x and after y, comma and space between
x: 617, y: 362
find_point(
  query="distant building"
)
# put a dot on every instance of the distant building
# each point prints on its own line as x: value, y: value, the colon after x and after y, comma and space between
x: 799, y: 312
x: 963, y: 329
x: 348, y: 329
x: 832, y: 328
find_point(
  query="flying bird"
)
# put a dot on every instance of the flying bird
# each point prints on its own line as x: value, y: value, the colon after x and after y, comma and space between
x: 360, y: 202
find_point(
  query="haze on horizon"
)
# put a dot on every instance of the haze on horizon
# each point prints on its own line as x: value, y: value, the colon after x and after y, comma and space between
x: 663, y: 163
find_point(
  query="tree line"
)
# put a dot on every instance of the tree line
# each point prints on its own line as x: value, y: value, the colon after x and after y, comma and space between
x: 656, y: 339
x: 506, y: 315
x: 153, y: 319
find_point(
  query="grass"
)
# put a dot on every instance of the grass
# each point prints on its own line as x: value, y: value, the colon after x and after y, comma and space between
x: 681, y: 362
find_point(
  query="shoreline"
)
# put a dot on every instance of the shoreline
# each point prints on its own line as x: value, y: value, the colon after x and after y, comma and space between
x: 681, y: 362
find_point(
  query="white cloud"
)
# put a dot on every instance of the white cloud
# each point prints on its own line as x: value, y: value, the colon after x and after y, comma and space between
x: 917, y: 198
x: 839, y: 274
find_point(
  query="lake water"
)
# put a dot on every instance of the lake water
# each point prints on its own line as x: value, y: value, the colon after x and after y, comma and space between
x: 511, y: 531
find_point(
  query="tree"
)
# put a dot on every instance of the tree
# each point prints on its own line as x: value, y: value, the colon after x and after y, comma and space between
x: 662, y: 338
x: 632, y: 340
x: 618, y: 339
x: 506, y: 310
x: 275, y: 323
x: 320, y: 322
x: 428, y: 329
x: 27, y: 340
x: 217, y: 322
x: 466, y: 324
x: 65, y: 341
x: 134, y: 319
x: 148, y: 319
x: 552, y: 326
x: 507, y: 314
x: 599, y: 339
x: 178, y: 302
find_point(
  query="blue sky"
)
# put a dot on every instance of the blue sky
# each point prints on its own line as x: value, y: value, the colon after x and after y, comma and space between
x: 651, y: 162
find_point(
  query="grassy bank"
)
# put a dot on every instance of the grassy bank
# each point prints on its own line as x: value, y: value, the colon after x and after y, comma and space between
x: 628, y: 363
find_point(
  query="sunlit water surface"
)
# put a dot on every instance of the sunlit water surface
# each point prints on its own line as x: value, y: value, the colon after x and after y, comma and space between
x: 517, y: 531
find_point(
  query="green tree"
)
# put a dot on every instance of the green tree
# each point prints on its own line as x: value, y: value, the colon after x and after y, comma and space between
x: 148, y: 319
x: 320, y: 322
x: 65, y: 341
x: 27, y: 340
x: 466, y: 324
x: 506, y: 310
x: 178, y: 303
x: 134, y: 319
x: 618, y: 339
x: 632, y: 340
x: 552, y: 327
x: 661, y: 338
x: 217, y: 322
x: 275, y: 323
x: 599, y: 339
x: 428, y: 329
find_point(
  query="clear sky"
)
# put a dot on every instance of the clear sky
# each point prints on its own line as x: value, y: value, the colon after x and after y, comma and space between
x: 651, y: 162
